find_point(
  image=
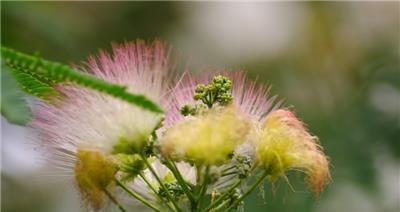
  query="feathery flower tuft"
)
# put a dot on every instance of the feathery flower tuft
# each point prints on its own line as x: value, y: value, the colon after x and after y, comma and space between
x: 247, y: 96
x: 208, y: 138
x: 93, y: 173
x: 284, y: 144
x: 86, y: 120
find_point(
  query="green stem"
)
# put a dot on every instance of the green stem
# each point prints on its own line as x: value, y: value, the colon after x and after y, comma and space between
x: 260, y: 180
x: 174, y: 169
x: 114, y: 200
x: 154, y: 190
x: 220, y: 206
x: 221, y: 198
x: 203, y: 188
x: 136, y: 195
x: 227, y: 169
x: 148, y: 183
x: 160, y: 182
x: 229, y: 173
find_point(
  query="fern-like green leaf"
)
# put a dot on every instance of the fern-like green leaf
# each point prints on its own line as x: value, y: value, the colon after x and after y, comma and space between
x: 33, y: 85
x: 56, y: 72
x: 13, y: 104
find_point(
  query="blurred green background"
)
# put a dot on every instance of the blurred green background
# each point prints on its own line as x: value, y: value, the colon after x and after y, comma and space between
x: 337, y: 63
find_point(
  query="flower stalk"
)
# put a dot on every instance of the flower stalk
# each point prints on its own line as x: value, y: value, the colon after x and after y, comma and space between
x: 136, y: 195
x: 252, y: 187
x: 169, y: 197
x: 114, y: 200
x: 171, y: 165
x: 203, y: 187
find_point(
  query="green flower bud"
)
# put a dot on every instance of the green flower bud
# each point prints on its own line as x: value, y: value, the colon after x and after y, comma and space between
x: 129, y: 165
x: 173, y: 188
x: 198, y: 96
x: 200, y: 88
x: 227, y: 85
x: 186, y: 110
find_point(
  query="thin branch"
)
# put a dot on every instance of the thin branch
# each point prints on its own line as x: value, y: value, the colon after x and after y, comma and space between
x: 136, y: 196
x: 170, y: 198
x: 114, y: 200
x: 260, y: 180
x: 153, y: 189
x: 174, y: 169
x: 204, y: 187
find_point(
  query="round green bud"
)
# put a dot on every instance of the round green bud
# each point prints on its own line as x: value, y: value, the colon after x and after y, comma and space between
x: 200, y: 88
x: 186, y: 110
x: 198, y: 96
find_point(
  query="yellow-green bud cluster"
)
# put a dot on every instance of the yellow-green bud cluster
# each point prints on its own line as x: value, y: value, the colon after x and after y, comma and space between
x: 243, y: 165
x: 174, y: 189
x: 216, y: 92
x: 193, y: 110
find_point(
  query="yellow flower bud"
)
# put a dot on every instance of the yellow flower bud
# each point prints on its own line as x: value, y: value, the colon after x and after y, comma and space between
x: 93, y: 174
x: 208, y: 138
x: 284, y: 143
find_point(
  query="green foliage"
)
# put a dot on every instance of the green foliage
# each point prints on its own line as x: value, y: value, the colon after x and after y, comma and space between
x: 33, y: 85
x: 54, y: 72
x: 13, y: 104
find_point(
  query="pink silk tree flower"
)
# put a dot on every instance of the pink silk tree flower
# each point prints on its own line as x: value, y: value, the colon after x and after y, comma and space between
x: 284, y: 143
x: 221, y: 135
x: 249, y: 97
x: 83, y: 128
x: 250, y: 101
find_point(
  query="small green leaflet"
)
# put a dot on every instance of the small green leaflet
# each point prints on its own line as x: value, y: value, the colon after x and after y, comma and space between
x: 33, y: 85
x: 53, y: 72
x: 13, y: 104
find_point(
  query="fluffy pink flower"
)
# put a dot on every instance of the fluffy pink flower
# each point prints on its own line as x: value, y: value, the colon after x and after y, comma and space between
x: 284, y: 143
x: 249, y: 97
x: 84, y: 119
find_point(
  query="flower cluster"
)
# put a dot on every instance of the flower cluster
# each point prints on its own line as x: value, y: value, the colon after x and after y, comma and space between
x: 219, y: 131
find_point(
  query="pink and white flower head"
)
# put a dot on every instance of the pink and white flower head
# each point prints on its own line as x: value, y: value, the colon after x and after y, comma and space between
x: 249, y: 108
x: 86, y: 120
x: 249, y: 97
x: 284, y: 143
x: 285, y: 137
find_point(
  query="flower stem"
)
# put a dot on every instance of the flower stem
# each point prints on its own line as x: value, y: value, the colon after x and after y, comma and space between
x: 259, y: 180
x: 154, y: 190
x: 148, y: 183
x: 229, y: 173
x: 174, y: 169
x: 203, y: 188
x: 160, y: 182
x: 136, y: 195
x: 114, y: 200
x: 227, y: 169
x: 220, y: 206
x: 221, y: 198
